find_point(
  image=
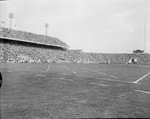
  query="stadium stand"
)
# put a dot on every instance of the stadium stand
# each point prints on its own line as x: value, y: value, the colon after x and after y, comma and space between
x: 99, y: 58
x: 19, y: 46
x: 22, y: 35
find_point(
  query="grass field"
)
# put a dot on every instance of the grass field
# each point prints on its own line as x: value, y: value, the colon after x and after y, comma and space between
x: 45, y: 91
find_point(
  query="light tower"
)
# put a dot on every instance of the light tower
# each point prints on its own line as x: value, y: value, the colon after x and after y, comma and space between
x: 11, y: 16
x: 46, y: 26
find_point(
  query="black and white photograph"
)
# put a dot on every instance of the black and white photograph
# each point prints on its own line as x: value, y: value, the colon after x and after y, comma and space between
x: 74, y: 59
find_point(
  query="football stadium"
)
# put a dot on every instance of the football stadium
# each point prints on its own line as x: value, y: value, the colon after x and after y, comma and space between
x: 42, y: 78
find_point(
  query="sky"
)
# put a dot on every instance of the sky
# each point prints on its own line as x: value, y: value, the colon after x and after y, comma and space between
x: 103, y: 26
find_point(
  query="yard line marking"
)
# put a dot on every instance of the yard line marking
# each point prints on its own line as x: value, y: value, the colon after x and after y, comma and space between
x: 99, y: 84
x: 70, y: 70
x: 66, y: 79
x: 48, y: 68
x: 102, y: 73
x: 142, y: 91
x: 105, y: 79
x: 142, y: 77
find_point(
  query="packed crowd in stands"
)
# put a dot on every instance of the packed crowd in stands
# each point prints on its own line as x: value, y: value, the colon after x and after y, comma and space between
x: 22, y: 35
x: 10, y: 52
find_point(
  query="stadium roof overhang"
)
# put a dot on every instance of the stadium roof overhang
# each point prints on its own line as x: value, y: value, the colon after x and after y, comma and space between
x: 38, y: 43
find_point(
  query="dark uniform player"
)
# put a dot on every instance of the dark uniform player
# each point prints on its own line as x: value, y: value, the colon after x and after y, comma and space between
x: 1, y: 80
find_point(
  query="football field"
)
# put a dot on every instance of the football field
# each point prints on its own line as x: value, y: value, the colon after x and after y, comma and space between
x: 75, y: 90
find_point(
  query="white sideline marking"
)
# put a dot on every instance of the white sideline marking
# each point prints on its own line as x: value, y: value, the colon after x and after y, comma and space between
x: 16, y: 68
x: 35, y: 70
x: 29, y: 67
x: 98, y: 84
x: 61, y: 78
x: 102, y: 73
x: 124, y: 94
x: 24, y: 70
x: 82, y: 101
x: 48, y: 68
x: 70, y: 70
x: 142, y: 77
x: 100, y: 78
x: 105, y: 79
x: 40, y: 75
x: 64, y: 74
x: 142, y: 91
x: 9, y: 71
x: 66, y: 79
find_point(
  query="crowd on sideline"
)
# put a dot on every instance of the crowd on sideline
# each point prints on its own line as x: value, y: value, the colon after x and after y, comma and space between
x: 29, y: 54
